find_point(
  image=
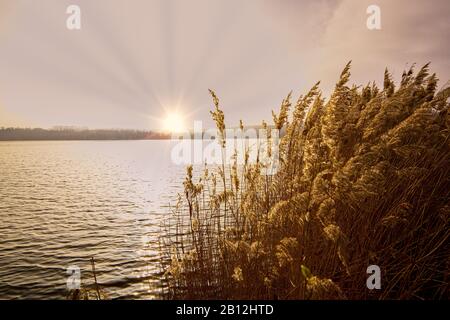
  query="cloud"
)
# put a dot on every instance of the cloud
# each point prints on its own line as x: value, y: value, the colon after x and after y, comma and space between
x: 133, y: 60
x: 412, y: 32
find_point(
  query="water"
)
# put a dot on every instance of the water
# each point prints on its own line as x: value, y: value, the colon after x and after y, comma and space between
x: 62, y: 203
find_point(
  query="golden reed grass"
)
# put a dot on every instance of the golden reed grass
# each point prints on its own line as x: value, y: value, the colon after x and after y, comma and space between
x: 364, y: 179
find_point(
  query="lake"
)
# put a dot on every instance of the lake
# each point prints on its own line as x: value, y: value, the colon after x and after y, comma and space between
x: 63, y: 202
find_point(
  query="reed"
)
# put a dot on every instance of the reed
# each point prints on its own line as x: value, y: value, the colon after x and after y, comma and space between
x: 90, y: 291
x: 363, y: 179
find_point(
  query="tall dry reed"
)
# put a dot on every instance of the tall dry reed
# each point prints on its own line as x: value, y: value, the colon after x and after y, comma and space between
x: 363, y: 179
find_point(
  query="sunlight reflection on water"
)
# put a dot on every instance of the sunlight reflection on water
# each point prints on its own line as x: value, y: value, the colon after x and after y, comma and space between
x: 64, y: 202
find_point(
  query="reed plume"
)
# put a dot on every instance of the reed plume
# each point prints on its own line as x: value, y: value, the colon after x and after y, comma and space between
x: 363, y: 179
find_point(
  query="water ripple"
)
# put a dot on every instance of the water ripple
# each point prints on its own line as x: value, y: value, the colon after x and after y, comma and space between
x: 62, y: 203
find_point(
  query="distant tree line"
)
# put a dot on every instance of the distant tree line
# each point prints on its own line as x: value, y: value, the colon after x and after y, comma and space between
x: 63, y: 133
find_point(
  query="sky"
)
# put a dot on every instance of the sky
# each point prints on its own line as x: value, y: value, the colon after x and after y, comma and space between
x: 135, y: 61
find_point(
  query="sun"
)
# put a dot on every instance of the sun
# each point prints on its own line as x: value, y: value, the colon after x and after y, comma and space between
x: 173, y: 122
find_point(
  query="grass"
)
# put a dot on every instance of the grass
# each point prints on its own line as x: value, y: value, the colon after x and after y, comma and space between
x: 363, y: 179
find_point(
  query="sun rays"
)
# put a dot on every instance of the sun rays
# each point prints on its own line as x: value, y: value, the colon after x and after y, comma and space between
x: 174, y: 122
